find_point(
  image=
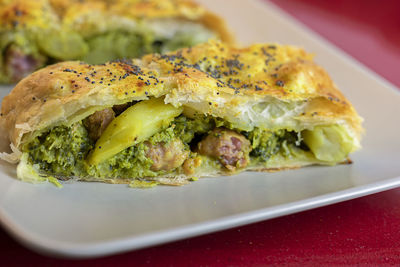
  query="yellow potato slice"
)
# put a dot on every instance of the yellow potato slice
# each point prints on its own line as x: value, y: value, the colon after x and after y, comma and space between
x: 329, y: 143
x: 134, y: 125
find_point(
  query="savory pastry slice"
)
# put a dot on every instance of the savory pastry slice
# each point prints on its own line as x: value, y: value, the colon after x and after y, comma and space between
x: 204, y: 111
x: 34, y: 33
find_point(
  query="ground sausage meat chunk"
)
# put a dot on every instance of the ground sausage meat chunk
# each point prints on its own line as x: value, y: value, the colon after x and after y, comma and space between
x: 118, y: 109
x: 19, y: 64
x: 229, y: 147
x: 167, y: 156
x: 98, y: 122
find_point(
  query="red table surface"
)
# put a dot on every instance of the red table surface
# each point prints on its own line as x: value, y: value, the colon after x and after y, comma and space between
x: 363, y: 231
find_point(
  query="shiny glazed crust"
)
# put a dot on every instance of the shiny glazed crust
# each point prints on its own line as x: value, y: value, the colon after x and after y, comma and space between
x: 237, y: 81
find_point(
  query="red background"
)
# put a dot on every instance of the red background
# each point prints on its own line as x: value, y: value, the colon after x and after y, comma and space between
x: 363, y: 231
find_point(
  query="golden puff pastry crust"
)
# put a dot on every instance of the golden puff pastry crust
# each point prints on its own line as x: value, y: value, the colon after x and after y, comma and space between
x: 212, y: 78
x: 267, y: 87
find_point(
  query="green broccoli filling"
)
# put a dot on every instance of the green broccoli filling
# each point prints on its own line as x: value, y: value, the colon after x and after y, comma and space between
x: 62, y: 150
x: 131, y: 162
x: 266, y: 144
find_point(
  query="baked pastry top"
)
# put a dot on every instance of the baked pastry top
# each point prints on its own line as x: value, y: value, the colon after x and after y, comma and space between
x: 249, y: 94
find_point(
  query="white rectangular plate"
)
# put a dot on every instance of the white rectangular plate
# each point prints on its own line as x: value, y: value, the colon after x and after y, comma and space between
x: 93, y: 219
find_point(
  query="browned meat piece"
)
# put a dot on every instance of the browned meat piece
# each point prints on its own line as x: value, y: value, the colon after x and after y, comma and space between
x: 18, y: 64
x: 168, y: 156
x: 97, y: 122
x: 231, y: 148
x: 118, y: 109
